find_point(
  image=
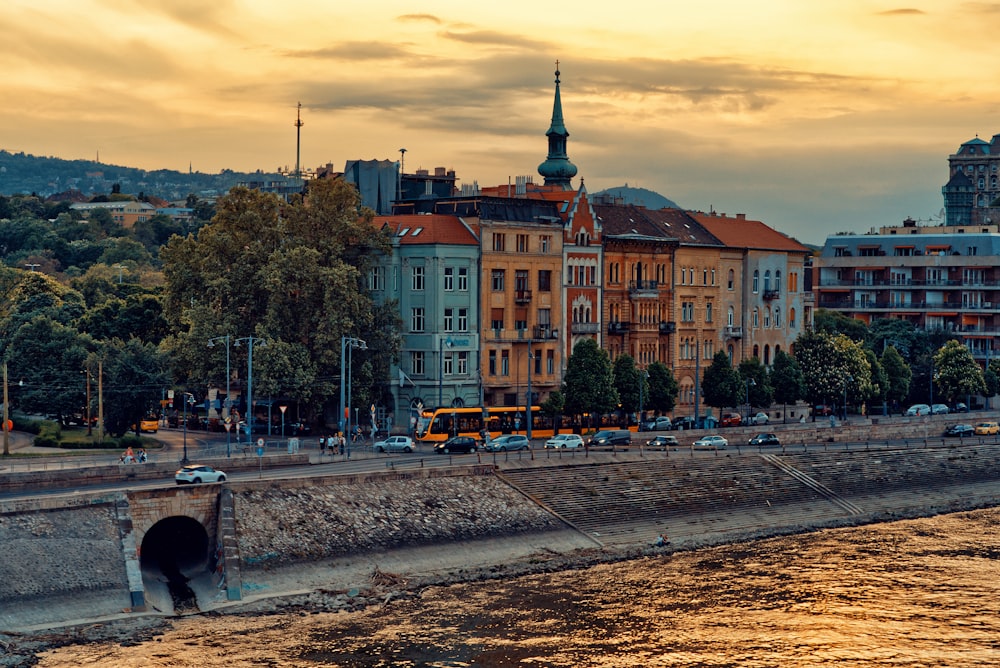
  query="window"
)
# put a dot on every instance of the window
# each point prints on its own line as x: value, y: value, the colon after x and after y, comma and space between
x: 417, y: 363
x: 463, y: 279
x: 544, y: 242
x: 504, y: 362
x: 708, y: 312
x: 777, y: 280
x: 687, y: 312
x: 521, y: 318
x: 376, y: 279
x: 544, y: 280
x: 732, y: 279
x: 756, y: 319
x: 550, y: 362
x: 713, y: 277
x: 496, y: 279
x: 704, y: 276
x: 791, y: 318
x: 417, y: 320
x: 777, y: 317
x: 449, y: 279
x: 463, y: 320
x: 499, y: 241
x: 493, y: 363
x: 463, y: 363
x: 449, y: 364
x: 521, y: 280
x: 522, y: 243
x: 496, y: 318
x: 767, y: 318
x: 767, y: 281
x: 731, y: 317
x: 449, y: 320
x: 417, y: 282
x: 756, y: 281
x: 793, y: 281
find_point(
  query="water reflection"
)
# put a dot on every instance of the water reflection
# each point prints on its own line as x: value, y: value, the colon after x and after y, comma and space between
x: 910, y: 593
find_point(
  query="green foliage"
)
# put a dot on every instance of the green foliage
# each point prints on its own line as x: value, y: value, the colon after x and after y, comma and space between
x: 898, y: 375
x: 554, y: 405
x: 720, y: 385
x: 956, y: 373
x: 49, y: 434
x: 787, y: 379
x: 588, y: 382
x: 628, y: 380
x: 833, y: 322
x: 135, y: 374
x: 663, y: 388
x: 761, y: 392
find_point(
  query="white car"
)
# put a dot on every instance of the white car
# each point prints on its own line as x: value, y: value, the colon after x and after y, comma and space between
x: 508, y: 442
x: 711, y: 442
x: 395, y: 444
x: 564, y: 441
x: 195, y: 474
x: 918, y: 409
x: 760, y: 418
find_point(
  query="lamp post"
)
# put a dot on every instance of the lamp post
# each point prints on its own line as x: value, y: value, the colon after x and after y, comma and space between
x: 643, y: 375
x: 347, y: 344
x: 225, y: 404
x: 847, y: 379
x: 251, y: 341
x: 441, y: 344
x: 188, y: 398
x: 527, y: 399
x: 750, y: 383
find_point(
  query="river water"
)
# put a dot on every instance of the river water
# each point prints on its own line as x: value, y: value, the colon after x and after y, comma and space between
x: 915, y: 593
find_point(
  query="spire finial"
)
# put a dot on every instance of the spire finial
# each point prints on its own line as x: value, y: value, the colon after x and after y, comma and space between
x: 557, y: 72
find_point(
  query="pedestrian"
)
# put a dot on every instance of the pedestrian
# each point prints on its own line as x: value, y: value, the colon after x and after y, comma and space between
x: 322, y: 445
x: 661, y: 540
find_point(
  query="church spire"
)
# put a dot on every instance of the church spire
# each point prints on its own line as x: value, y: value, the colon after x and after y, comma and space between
x: 557, y: 169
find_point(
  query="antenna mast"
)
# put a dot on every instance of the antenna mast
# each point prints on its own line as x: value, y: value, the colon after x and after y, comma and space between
x: 298, y: 141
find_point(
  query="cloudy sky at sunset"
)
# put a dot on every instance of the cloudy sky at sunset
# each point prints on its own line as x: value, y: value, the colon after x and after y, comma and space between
x: 814, y: 116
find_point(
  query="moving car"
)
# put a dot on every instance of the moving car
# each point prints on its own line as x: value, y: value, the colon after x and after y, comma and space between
x: 960, y: 430
x: 987, y: 428
x: 195, y: 474
x: 940, y: 409
x: 731, y: 420
x: 508, y: 442
x: 395, y: 444
x: 684, y: 422
x: 662, y: 442
x: 560, y: 441
x: 764, y: 439
x: 711, y: 442
x: 457, y: 444
x: 611, y: 437
x: 918, y: 409
x: 760, y: 418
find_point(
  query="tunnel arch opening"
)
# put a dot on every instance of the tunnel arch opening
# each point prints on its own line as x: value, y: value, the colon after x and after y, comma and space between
x: 174, y: 553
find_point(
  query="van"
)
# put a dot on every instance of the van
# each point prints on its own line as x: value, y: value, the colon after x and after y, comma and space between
x: 610, y: 437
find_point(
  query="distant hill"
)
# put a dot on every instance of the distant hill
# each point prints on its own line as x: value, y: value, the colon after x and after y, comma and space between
x: 24, y: 174
x: 638, y: 197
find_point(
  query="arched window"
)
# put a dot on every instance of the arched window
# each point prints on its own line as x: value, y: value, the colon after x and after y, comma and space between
x: 732, y: 279
x: 777, y: 317
x: 791, y: 318
x: 767, y: 355
x: 767, y: 318
x: 777, y: 280
x: 756, y: 280
x: 731, y: 352
x: 756, y: 319
x: 731, y: 317
x: 708, y: 312
x: 767, y: 281
x: 756, y: 351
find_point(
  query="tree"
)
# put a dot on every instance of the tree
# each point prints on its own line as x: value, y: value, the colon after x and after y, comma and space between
x: 834, y: 367
x: 834, y: 322
x: 761, y: 392
x: 628, y: 380
x: 663, y: 388
x: 720, y: 385
x: 880, y: 379
x: 898, y: 375
x: 588, y: 384
x: 787, y: 380
x: 135, y: 375
x: 956, y: 373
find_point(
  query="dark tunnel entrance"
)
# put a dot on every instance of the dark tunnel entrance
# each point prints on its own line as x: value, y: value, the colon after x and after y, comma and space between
x: 174, y: 553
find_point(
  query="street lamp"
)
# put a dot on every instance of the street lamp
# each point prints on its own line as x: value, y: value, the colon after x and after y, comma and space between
x: 251, y: 341
x: 225, y: 404
x: 527, y: 399
x: 441, y: 345
x: 188, y: 398
x: 750, y: 383
x: 347, y: 344
x: 847, y: 379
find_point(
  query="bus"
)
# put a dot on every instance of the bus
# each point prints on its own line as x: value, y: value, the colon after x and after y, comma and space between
x: 442, y: 423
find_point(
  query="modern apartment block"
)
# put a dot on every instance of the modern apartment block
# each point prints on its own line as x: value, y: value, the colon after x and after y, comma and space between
x: 940, y: 277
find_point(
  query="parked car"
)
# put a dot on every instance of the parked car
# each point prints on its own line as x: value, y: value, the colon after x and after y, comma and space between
x: 987, y: 428
x: 940, y: 409
x: 918, y: 409
x: 685, y: 422
x: 731, y: 420
x: 960, y: 408
x: 760, y: 418
x: 298, y: 429
x: 457, y: 444
x: 149, y: 424
x: 764, y: 439
x: 395, y: 444
x: 611, y: 437
x: 661, y: 423
x: 960, y: 430
x: 195, y: 474
x: 711, y: 442
x: 560, y: 441
x: 508, y: 442
x: 662, y: 442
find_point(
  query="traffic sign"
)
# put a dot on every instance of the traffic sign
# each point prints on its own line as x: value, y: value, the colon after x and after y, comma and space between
x: 260, y: 443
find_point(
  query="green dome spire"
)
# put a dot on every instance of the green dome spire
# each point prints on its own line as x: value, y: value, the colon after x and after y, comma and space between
x: 557, y: 169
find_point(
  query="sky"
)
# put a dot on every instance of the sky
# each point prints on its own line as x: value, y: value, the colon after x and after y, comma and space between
x: 815, y: 117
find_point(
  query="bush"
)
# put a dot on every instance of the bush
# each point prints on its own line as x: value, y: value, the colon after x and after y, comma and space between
x: 130, y: 441
x: 49, y: 434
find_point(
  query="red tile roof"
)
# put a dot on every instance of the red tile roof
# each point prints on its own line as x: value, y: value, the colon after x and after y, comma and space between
x: 427, y: 229
x: 739, y: 232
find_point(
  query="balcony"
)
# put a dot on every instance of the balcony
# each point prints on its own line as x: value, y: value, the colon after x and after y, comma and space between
x: 618, y: 328
x: 644, y: 288
x: 522, y: 296
x: 585, y: 328
x: 667, y: 327
x: 545, y: 332
x: 733, y: 332
x: 770, y: 295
